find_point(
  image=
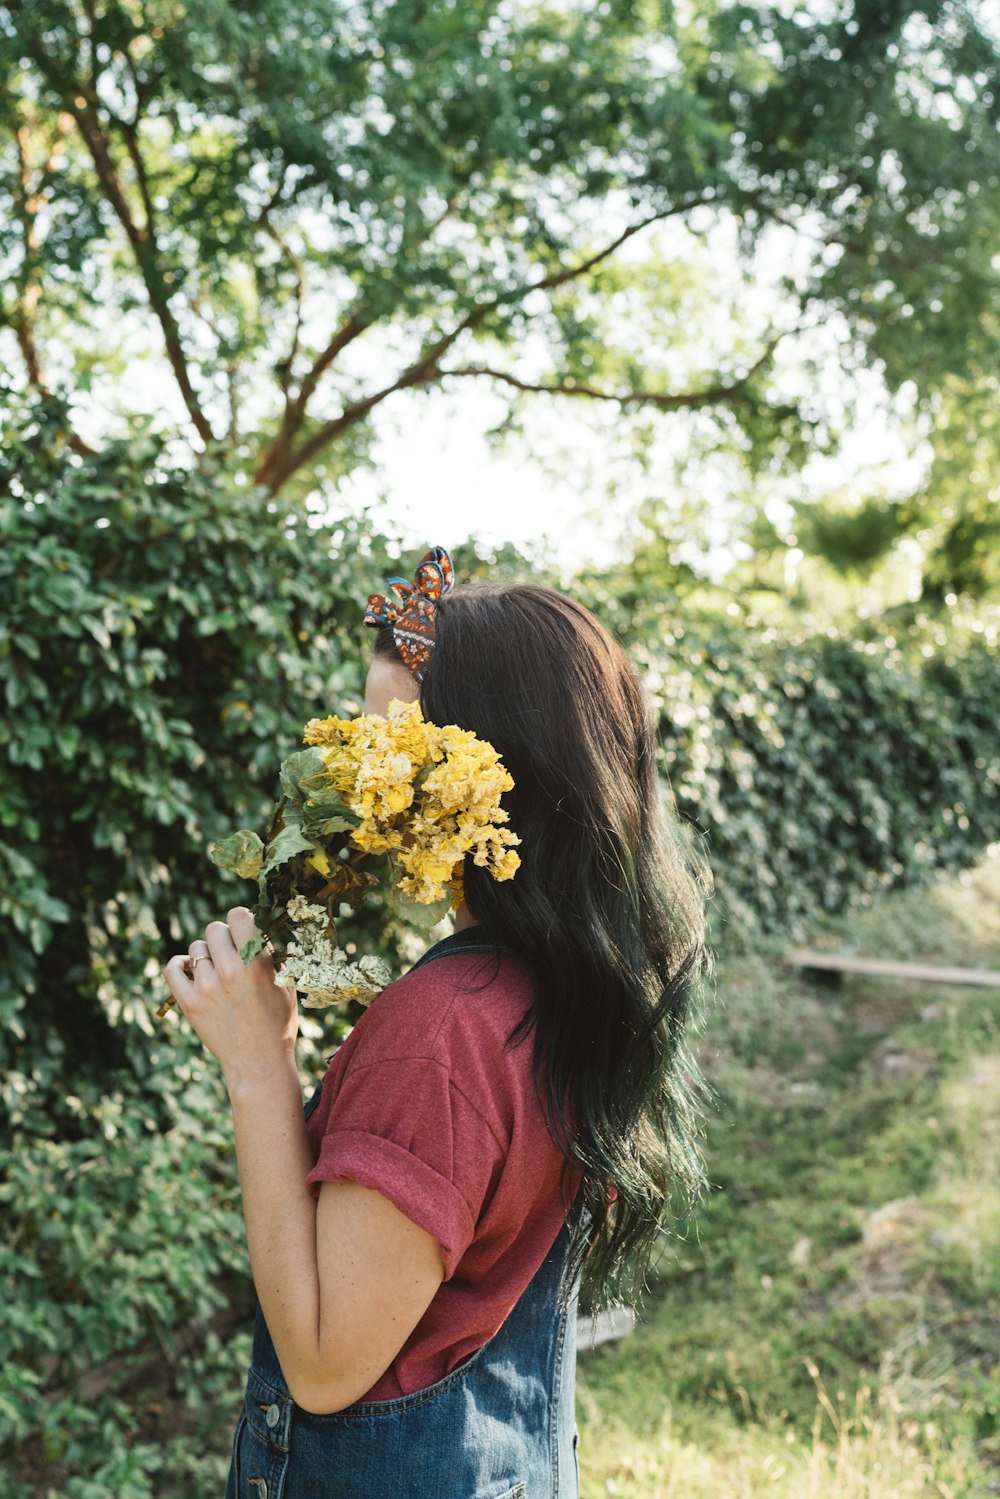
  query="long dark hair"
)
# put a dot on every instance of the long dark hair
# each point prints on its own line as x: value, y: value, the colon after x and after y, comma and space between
x: 607, y: 909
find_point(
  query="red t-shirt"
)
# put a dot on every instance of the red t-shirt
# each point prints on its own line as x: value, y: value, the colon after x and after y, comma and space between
x: 423, y: 1104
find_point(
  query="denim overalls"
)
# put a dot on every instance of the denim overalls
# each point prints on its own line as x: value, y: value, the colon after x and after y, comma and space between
x: 500, y: 1426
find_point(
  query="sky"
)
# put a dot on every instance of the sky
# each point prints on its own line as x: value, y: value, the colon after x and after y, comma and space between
x: 436, y: 479
x: 439, y: 481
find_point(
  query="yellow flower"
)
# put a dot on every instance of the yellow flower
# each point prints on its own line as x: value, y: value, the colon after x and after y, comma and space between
x: 425, y: 793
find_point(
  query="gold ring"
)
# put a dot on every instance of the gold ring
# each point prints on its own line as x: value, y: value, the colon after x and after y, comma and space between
x: 193, y: 962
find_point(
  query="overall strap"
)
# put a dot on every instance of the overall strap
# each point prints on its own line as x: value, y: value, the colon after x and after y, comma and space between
x: 469, y: 939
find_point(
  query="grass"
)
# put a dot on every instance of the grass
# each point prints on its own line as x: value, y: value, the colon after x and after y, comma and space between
x: 830, y: 1325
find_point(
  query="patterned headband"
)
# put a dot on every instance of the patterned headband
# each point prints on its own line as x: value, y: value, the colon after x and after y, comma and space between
x: 413, y: 618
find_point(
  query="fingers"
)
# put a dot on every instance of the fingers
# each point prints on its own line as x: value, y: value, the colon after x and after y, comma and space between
x: 241, y: 925
x: 224, y: 939
x: 214, y: 962
x: 223, y: 952
x: 198, y: 953
x: 178, y: 978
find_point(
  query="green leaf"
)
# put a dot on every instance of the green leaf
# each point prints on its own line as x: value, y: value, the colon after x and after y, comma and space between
x: 255, y: 945
x: 242, y: 853
x: 325, y: 817
x: 301, y: 774
x: 415, y: 912
x: 285, y: 845
x: 331, y: 825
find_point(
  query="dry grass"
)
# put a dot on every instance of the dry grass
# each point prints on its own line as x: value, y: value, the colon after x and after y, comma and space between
x: 833, y: 1329
x: 866, y: 1452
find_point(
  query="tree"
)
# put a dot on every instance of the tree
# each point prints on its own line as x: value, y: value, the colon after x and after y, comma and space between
x: 957, y: 515
x: 314, y: 208
x: 903, y: 556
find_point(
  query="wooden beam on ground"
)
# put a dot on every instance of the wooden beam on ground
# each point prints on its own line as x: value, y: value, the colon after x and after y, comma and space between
x: 605, y: 1327
x: 926, y: 973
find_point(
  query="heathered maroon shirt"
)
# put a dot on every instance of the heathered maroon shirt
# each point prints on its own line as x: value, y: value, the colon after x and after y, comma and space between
x: 424, y: 1104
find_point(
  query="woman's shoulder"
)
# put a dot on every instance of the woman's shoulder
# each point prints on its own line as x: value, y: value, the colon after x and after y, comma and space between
x: 459, y: 995
x: 447, y: 1024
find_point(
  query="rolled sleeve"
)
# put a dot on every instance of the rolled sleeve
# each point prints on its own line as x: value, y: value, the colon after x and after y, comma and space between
x: 422, y: 1194
x: 394, y: 1128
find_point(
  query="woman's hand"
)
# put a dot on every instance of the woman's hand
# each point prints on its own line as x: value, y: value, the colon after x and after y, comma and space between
x: 246, y: 1019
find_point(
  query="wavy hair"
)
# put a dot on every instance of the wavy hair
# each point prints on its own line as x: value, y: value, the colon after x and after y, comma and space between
x: 608, y: 908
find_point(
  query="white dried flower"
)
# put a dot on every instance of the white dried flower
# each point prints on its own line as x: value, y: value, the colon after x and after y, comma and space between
x: 321, y: 971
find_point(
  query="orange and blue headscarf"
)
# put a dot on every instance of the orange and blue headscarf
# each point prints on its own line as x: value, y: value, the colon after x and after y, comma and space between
x: 413, y: 618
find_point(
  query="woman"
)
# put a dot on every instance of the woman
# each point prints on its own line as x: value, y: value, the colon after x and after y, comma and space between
x: 508, y: 1113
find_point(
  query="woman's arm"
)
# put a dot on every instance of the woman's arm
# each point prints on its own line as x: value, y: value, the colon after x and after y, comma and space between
x: 342, y: 1281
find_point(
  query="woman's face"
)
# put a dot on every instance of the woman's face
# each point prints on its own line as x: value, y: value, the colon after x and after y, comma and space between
x: 388, y: 679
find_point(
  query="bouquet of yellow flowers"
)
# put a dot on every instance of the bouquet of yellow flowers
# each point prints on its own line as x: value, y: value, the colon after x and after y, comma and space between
x: 426, y: 796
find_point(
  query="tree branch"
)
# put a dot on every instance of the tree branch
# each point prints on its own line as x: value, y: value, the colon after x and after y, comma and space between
x: 28, y: 203
x: 129, y: 130
x: 571, y: 273
x: 142, y: 240
x: 81, y: 103
x: 281, y: 461
x: 276, y: 459
x: 664, y: 401
x: 263, y: 220
x: 143, y: 86
x: 232, y: 396
x: 32, y: 198
x: 91, y: 11
x: 28, y: 200
x: 288, y: 364
x: 423, y: 371
x: 295, y: 412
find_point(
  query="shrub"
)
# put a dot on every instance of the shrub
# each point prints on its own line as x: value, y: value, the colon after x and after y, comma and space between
x: 826, y: 771
x: 166, y: 635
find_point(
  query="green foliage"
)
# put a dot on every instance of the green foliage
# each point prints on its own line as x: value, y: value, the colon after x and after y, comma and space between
x: 852, y: 540
x: 323, y: 208
x: 826, y: 771
x: 123, y: 1265
x: 241, y: 853
x: 902, y: 555
x: 166, y: 635
x: 822, y: 768
x: 957, y: 515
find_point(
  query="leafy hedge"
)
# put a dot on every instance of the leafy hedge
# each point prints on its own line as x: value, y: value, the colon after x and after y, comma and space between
x: 166, y: 634
x: 126, y: 1300
x: 828, y: 770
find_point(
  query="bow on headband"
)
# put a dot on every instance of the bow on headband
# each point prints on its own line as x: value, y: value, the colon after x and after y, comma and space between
x: 413, y: 618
